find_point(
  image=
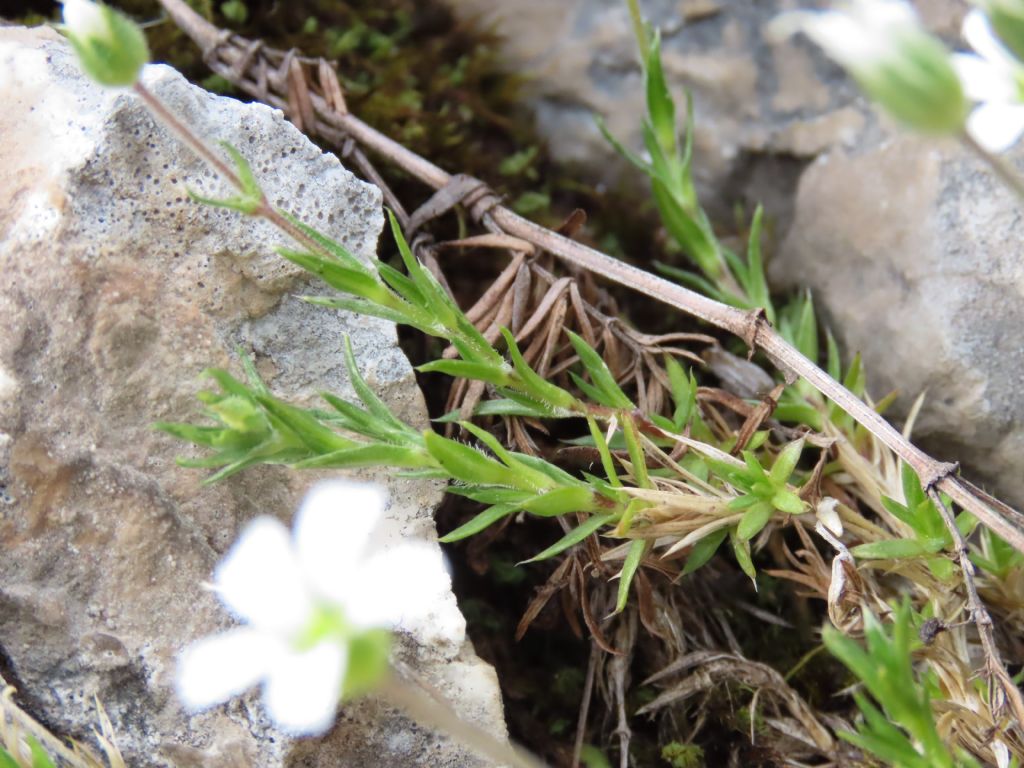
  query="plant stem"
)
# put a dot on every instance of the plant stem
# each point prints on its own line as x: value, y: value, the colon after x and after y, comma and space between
x: 204, y: 152
x: 1006, y: 173
x: 429, y: 709
x: 183, y: 132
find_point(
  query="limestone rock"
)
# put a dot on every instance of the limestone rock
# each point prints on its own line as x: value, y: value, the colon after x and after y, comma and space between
x: 116, y: 291
x: 912, y: 249
x: 762, y: 109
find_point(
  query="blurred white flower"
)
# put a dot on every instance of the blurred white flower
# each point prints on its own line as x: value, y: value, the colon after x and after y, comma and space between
x: 994, y: 78
x: 886, y: 50
x: 84, y: 18
x: 110, y: 46
x: 311, y: 602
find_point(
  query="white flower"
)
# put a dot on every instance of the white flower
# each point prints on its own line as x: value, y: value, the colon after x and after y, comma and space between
x: 84, y: 18
x: 897, y: 63
x: 110, y: 47
x: 308, y: 601
x: 994, y: 78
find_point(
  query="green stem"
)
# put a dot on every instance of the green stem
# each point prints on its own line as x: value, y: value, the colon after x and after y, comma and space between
x: 203, y: 151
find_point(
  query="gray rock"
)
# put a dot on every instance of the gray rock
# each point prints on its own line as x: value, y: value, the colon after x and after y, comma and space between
x: 762, y: 109
x: 912, y: 249
x: 116, y: 291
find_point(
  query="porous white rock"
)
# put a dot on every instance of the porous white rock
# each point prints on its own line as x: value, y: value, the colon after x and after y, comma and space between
x: 116, y: 291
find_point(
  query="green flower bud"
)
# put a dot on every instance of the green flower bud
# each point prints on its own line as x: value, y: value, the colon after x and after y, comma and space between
x: 893, y: 59
x: 1007, y: 20
x: 111, y: 47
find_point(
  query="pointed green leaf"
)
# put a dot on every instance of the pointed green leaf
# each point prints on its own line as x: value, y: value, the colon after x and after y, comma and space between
x: 787, y: 501
x: 754, y: 520
x: 741, y: 550
x: 896, y: 549
x: 633, y: 559
x: 467, y: 464
x: 485, y: 519
x: 786, y: 462
x: 575, y: 536
x: 466, y: 370
x: 561, y: 501
x: 373, y: 455
x: 704, y: 550
x: 599, y: 373
x: 534, y: 385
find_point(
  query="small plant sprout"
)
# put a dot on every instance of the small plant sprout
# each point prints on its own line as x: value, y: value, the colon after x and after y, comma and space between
x: 894, y: 60
x: 112, y: 48
x: 995, y: 78
x: 318, y: 607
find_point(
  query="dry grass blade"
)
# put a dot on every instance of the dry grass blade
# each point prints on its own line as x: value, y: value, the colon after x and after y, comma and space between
x: 711, y: 669
x: 17, y: 726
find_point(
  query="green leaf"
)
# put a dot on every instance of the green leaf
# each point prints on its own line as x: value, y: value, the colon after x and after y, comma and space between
x: 575, y: 536
x: 360, y: 282
x: 467, y: 464
x: 250, y: 198
x: 374, y: 455
x: 6, y: 761
x: 489, y: 494
x: 485, y: 519
x: 369, y: 398
x: 704, y: 549
x: 897, y: 549
x: 607, y: 463
x: 741, y: 549
x: 534, y: 385
x: 466, y: 370
x: 660, y: 107
x: 912, y: 490
x: 757, y: 285
x: 400, y: 316
x: 786, y: 462
x: 599, y: 373
x: 507, y: 407
x: 629, y: 568
x: 39, y: 757
x: 561, y: 501
x: 303, y: 425
x: 526, y: 476
x: 754, y: 520
x: 787, y: 501
x: 620, y: 147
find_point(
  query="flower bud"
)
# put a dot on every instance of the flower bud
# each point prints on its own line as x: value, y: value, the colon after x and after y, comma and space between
x: 893, y: 59
x: 1007, y: 20
x: 111, y: 47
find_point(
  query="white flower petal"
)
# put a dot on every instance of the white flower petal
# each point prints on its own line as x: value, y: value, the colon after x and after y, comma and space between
x: 845, y: 40
x: 399, y: 586
x: 303, y: 689
x: 260, y: 580
x: 216, y: 668
x: 332, y: 531
x: 996, y: 126
x: 85, y: 19
x: 978, y: 34
x: 982, y: 80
